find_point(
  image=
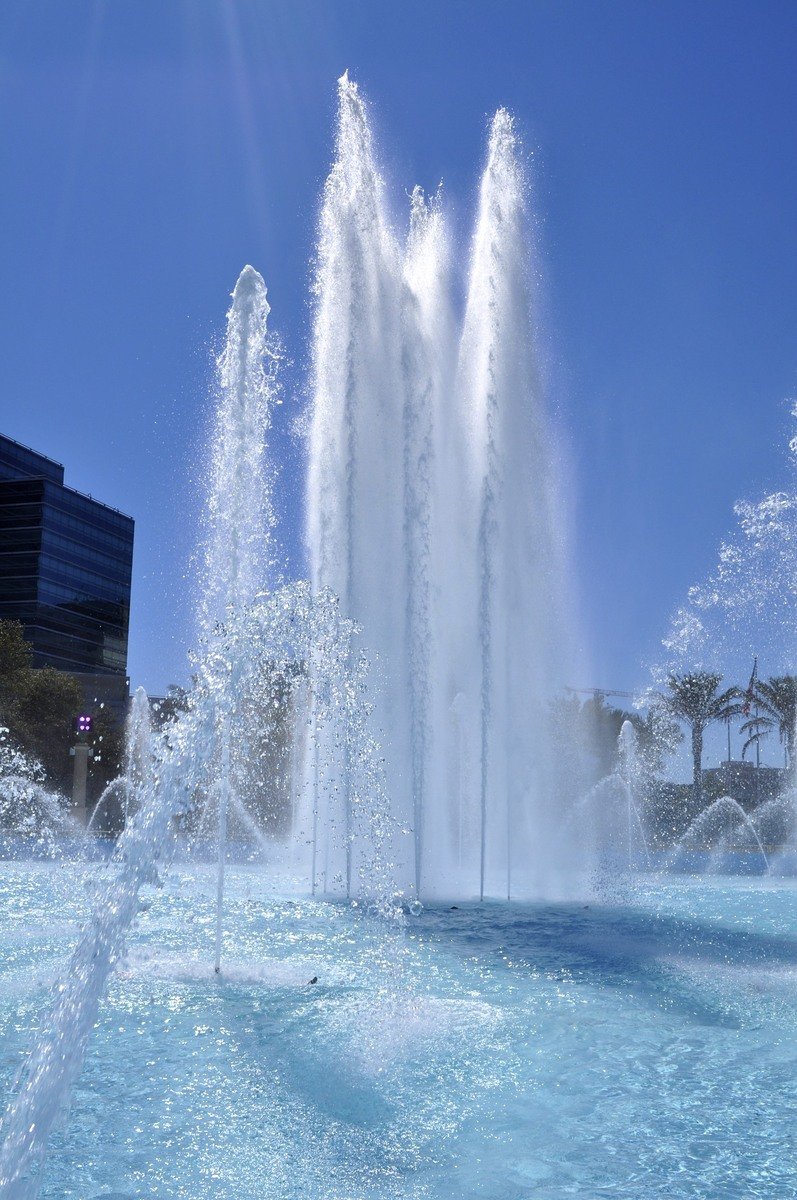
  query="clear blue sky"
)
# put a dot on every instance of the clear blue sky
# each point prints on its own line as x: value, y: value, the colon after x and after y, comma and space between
x: 151, y: 148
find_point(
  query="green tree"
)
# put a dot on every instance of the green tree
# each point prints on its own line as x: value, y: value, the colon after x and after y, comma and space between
x: 776, y: 701
x: 38, y: 707
x: 599, y: 728
x: 15, y: 662
x: 42, y: 721
x: 696, y: 700
x: 658, y: 735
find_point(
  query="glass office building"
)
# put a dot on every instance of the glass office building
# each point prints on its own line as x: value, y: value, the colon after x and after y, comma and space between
x: 65, y: 566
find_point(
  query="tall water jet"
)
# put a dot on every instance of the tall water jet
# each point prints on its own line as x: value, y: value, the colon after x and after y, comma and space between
x: 193, y: 758
x: 426, y: 360
x: 518, y: 559
x: 138, y: 749
x: 240, y: 518
x: 432, y: 513
x: 488, y: 363
x: 253, y: 644
x: 631, y: 773
x: 239, y: 512
x: 355, y: 474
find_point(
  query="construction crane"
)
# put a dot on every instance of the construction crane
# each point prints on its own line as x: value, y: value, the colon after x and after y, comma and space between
x: 599, y: 694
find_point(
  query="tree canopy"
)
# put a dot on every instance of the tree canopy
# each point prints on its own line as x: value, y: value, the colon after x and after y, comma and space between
x: 38, y: 707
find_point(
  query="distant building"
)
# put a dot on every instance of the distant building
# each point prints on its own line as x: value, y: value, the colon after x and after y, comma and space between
x: 65, y: 568
x: 744, y: 782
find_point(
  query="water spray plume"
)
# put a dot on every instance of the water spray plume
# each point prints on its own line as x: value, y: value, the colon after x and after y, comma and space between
x: 448, y: 553
x: 421, y: 655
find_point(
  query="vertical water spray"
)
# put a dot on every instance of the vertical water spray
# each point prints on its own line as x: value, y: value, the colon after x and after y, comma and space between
x: 138, y: 749
x: 239, y: 519
x: 432, y: 511
x: 249, y: 640
x: 628, y: 768
x: 240, y: 516
x: 499, y: 386
x: 239, y: 513
x: 489, y: 360
x: 355, y: 475
x: 424, y: 313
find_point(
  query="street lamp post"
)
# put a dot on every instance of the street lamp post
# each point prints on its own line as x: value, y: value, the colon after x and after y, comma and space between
x: 81, y: 752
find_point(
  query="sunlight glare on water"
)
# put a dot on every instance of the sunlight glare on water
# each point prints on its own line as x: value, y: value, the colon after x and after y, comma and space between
x: 498, y: 1052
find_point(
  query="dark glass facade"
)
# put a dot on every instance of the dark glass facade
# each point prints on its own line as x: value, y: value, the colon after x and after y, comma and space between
x: 65, y: 566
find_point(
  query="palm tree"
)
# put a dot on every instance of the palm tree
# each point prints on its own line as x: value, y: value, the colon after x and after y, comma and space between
x: 776, y: 708
x: 695, y: 699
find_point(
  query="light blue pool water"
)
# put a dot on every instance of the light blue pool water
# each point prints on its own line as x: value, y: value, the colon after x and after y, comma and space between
x: 637, y: 1049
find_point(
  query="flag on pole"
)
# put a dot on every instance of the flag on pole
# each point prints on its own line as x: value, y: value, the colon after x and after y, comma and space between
x: 749, y: 695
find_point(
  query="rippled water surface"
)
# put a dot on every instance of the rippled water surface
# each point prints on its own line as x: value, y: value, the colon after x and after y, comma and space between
x: 640, y: 1049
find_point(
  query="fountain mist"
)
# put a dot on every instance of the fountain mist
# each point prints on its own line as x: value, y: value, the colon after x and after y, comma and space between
x: 239, y: 515
x: 252, y: 643
x: 432, y: 512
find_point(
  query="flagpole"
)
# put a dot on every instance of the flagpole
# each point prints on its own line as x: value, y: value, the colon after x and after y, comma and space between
x: 749, y: 697
x: 757, y: 762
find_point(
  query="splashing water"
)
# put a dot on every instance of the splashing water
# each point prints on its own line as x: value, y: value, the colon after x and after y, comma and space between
x: 249, y: 639
x: 56, y: 1060
x: 29, y: 811
x: 718, y: 829
x: 136, y: 768
x: 611, y: 811
x: 448, y: 551
x: 745, y: 610
x: 432, y: 523
x: 240, y: 516
x: 748, y: 604
x: 434, y: 536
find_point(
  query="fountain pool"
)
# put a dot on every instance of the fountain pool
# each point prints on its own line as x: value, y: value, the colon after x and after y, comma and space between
x: 628, y: 1048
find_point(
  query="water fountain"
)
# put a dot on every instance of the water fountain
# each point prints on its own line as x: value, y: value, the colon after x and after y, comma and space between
x: 448, y: 552
x: 610, y: 810
x: 248, y: 638
x: 719, y: 829
x: 115, y: 805
x: 250, y: 1040
x: 447, y: 594
x: 744, y: 611
x: 30, y: 813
